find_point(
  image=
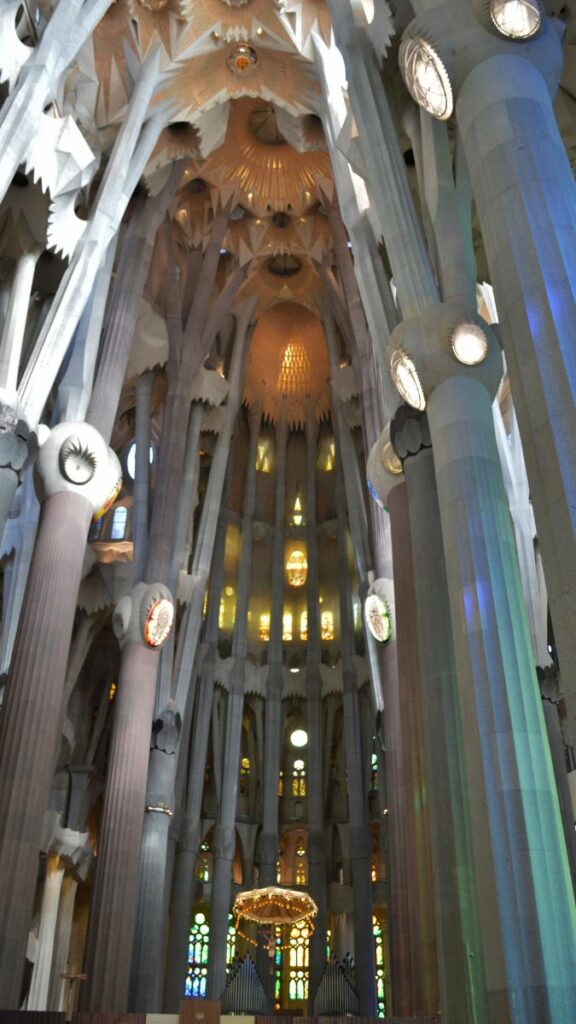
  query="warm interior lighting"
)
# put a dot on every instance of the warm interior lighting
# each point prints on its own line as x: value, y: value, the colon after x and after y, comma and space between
x: 516, y: 19
x: 287, y: 627
x: 407, y: 380
x: 469, y: 344
x: 263, y: 457
x: 295, y: 374
x: 264, y: 630
x: 297, y: 517
x: 327, y: 625
x: 304, y: 626
x: 296, y: 568
x: 426, y: 78
x: 299, y: 738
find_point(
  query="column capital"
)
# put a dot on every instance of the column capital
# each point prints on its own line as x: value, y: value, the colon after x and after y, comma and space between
x: 145, y: 616
x: 75, y: 458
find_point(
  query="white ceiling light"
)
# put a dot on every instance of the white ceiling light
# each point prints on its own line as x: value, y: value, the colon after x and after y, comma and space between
x: 469, y: 344
x: 299, y: 738
x: 407, y: 380
x: 426, y: 78
x: 516, y: 19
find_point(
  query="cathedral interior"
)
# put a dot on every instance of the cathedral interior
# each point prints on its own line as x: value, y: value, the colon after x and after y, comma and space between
x: 288, y: 510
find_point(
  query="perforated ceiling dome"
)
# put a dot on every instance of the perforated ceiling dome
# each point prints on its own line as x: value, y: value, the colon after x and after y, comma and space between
x: 287, y: 363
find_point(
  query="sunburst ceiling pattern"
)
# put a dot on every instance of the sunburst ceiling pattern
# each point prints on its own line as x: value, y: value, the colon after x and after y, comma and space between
x: 288, y: 364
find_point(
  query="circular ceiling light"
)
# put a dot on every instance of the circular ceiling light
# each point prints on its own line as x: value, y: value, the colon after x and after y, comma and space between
x: 469, y: 344
x: 516, y: 19
x: 298, y: 737
x: 426, y: 78
x: 242, y: 59
x: 407, y: 380
x: 378, y: 618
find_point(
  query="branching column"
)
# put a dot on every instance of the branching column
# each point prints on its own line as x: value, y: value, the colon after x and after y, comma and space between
x: 225, y: 832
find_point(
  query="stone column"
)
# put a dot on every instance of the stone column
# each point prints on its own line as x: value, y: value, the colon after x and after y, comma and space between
x: 152, y: 906
x: 460, y: 951
x: 190, y: 829
x: 56, y: 996
x: 76, y: 473
x: 498, y: 696
x: 141, y: 622
x: 317, y: 852
x: 16, y: 316
x: 144, y: 387
x: 269, y: 839
x: 525, y: 169
x: 130, y: 154
x: 38, y: 994
x: 225, y: 832
x: 70, y: 25
x: 360, y: 836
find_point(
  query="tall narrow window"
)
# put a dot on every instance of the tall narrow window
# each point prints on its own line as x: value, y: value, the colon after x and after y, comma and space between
x: 244, y: 774
x: 264, y: 630
x: 287, y: 627
x: 304, y: 626
x: 380, y: 965
x: 299, y: 778
x: 327, y: 625
x: 298, y: 962
x: 198, y: 956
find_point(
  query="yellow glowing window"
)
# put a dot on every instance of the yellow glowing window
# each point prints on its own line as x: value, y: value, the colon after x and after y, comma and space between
x: 281, y: 784
x: 297, y: 516
x: 300, y: 873
x: 264, y: 631
x: 330, y: 456
x: 327, y: 625
x: 263, y: 457
x: 299, y: 778
x: 221, y: 612
x: 295, y: 374
x: 287, y: 627
x: 296, y: 568
x: 112, y: 691
x: 304, y: 626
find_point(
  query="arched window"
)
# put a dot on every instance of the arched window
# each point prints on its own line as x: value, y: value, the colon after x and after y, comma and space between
x: 244, y: 774
x: 300, y: 865
x: 380, y: 965
x: 287, y: 627
x: 299, y: 778
x: 119, y: 523
x: 263, y: 457
x: 204, y: 866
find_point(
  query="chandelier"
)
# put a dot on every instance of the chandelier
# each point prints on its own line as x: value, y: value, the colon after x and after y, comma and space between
x: 274, y: 909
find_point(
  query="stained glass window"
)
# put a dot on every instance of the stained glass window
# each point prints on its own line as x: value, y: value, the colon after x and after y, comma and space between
x: 204, y: 863
x: 327, y: 625
x: 198, y: 956
x: 380, y: 966
x: 304, y: 626
x: 374, y: 773
x: 244, y: 774
x: 287, y: 627
x: 298, y: 962
x: 299, y: 778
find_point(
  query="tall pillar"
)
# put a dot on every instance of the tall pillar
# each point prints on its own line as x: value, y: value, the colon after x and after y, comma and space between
x: 525, y: 197
x: 38, y: 994
x: 460, y: 951
x: 76, y: 473
x: 144, y: 387
x: 141, y: 622
x: 225, y: 833
x: 152, y: 917
x: 317, y: 852
x: 360, y: 836
x: 190, y: 829
x: 269, y: 838
x: 56, y: 995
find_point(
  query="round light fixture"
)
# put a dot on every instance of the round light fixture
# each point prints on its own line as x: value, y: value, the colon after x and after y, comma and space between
x: 407, y: 380
x: 298, y: 737
x: 426, y: 78
x: 158, y: 622
x: 378, y: 618
x: 516, y: 19
x: 469, y: 344
x: 242, y: 59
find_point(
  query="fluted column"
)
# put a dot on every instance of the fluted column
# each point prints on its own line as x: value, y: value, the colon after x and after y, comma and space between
x: 115, y: 893
x: 360, y: 841
x: 31, y: 716
x: 459, y: 937
x: 144, y: 387
x: 38, y: 994
x: 225, y: 832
